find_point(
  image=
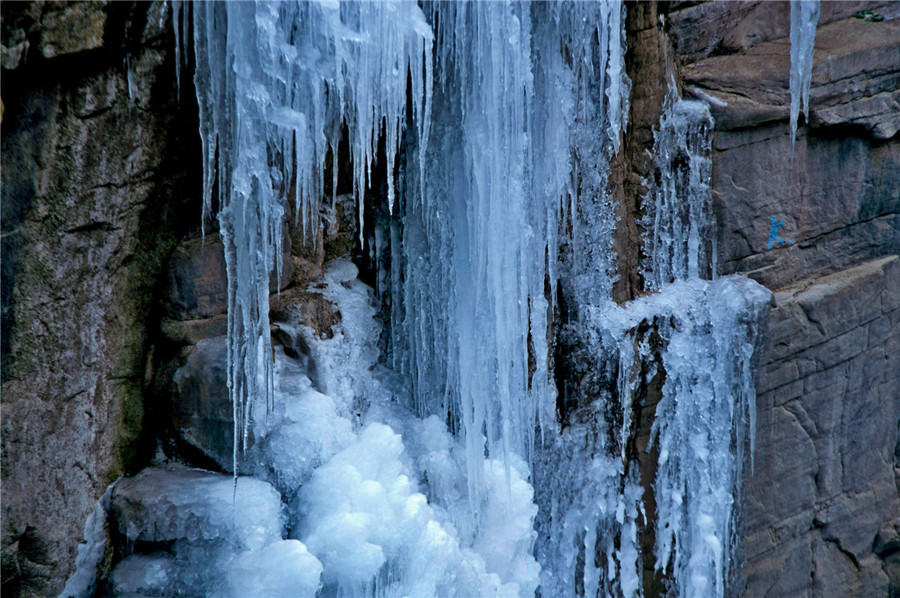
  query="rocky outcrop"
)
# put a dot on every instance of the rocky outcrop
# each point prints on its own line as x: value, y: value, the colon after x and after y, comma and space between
x: 838, y: 194
x: 197, y: 299
x: 824, y: 491
x: 94, y: 197
x: 821, y: 228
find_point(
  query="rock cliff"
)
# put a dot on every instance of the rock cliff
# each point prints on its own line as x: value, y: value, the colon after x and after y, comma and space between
x: 821, y: 229
x: 94, y: 198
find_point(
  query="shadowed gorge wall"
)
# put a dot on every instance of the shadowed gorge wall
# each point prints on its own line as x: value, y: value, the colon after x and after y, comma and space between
x: 94, y: 198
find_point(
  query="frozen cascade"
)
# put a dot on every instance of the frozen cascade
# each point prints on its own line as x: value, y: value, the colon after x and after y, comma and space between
x: 677, y: 209
x: 704, y: 420
x: 424, y: 474
x: 275, y: 82
x: 692, y: 341
x: 804, y: 18
x: 510, y: 110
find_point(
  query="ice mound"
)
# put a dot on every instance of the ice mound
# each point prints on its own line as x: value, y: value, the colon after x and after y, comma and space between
x: 506, y: 535
x: 284, y: 569
x: 359, y: 508
x: 162, y: 505
x: 305, y: 429
x: 442, y: 463
x: 363, y: 517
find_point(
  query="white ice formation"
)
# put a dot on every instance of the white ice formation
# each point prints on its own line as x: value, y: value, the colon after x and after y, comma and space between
x: 704, y: 421
x: 275, y: 82
x: 678, y: 209
x: 509, y: 158
x: 804, y: 18
x: 443, y: 466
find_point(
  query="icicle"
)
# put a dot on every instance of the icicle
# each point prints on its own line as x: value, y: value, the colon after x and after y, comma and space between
x: 177, y: 23
x: 482, y: 235
x: 274, y: 83
x: 129, y: 78
x: 804, y: 17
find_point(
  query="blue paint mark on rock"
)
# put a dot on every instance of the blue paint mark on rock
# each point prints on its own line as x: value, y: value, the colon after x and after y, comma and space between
x: 773, y: 233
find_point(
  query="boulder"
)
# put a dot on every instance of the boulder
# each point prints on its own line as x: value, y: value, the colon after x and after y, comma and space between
x: 198, y: 507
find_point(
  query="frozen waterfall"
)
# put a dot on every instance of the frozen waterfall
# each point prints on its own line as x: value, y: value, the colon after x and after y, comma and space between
x: 275, y: 82
x: 443, y: 449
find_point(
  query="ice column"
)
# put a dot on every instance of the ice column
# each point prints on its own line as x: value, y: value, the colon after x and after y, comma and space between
x: 275, y: 83
x: 703, y: 425
x: 804, y: 17
x: 487, y: 86
x: 707, y: 333
x: 520, y: 88
x: 592, y: 36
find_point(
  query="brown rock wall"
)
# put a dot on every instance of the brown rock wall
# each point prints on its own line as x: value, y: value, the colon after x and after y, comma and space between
x: 822, y: 503
x: 840, y: 202
x: 823, y: 493
x: 91, y: 152
x: 824, y: 480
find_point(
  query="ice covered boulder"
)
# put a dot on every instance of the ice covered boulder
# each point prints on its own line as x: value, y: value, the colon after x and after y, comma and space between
x: 162, y: 505
x: 305, y: 428
x: 145, y: 575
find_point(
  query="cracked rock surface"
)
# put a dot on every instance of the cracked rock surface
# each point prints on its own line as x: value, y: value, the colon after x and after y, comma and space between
x: 822, y: 507
x: 824, y: 488
x: 90, y: 208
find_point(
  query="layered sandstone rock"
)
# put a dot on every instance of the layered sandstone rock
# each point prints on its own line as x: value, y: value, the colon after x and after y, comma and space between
x: 822, y: 503
x: 824, y: 488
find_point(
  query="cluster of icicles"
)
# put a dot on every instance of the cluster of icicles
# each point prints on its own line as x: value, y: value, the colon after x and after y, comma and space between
x: 508, y: 114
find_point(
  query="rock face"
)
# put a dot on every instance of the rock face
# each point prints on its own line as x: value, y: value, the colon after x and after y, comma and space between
x: 824, y: 489
x: 823, y: 500
x: 93, y: 198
